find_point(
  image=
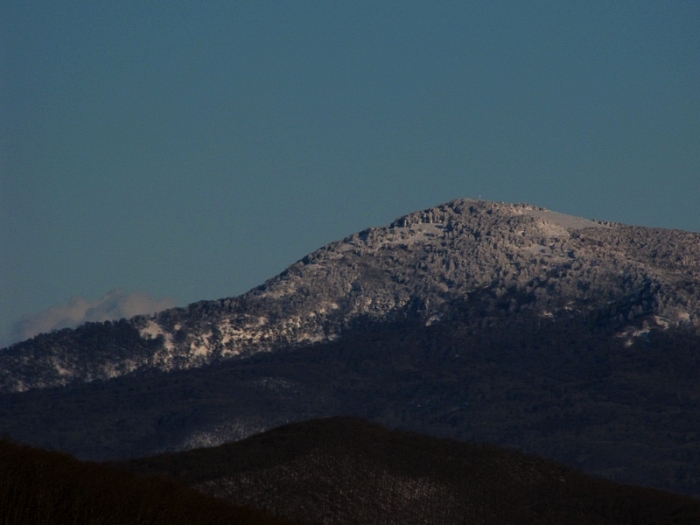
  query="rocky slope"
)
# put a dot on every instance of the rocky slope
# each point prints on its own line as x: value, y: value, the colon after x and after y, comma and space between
x: 418, y: 267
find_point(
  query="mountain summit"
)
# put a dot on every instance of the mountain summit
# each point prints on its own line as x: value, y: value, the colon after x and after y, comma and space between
x: 508, y: 324
x: 419, y: 267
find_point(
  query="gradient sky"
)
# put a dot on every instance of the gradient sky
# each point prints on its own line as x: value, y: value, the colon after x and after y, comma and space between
x: 191, y: 150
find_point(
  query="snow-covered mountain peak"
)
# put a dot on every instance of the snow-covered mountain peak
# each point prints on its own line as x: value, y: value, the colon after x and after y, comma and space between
x: 420, y: 266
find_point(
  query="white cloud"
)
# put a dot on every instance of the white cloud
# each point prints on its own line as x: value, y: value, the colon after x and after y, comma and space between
x: 115, y: 304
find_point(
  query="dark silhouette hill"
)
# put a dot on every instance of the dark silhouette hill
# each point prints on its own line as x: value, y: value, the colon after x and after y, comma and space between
x: 38, y: 487
x: 344, y: 471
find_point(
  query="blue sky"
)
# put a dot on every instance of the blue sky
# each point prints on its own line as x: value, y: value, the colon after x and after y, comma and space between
x: 189, y: 150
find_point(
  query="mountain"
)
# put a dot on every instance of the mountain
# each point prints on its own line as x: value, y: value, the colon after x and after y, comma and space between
x: 561, y: 388
x: 572, y: 339
x: 640, y: 278
x: 345, y: 471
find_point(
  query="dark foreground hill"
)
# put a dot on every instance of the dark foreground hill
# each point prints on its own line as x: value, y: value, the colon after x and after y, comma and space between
x: 38, y: 487
x: 346, y: 471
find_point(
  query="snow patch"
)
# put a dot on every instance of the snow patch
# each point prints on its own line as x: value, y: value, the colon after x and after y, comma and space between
x: 631, y: 333
x: 433, y: 319
x: 662, y: 322
x: 570, y: 222
x: 152, y: 330
x: 201, y: 346
x: 110, y: 370
x: 61, y: 371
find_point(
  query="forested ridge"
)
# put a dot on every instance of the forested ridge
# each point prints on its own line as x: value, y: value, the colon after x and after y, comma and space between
x: 345, y: 470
